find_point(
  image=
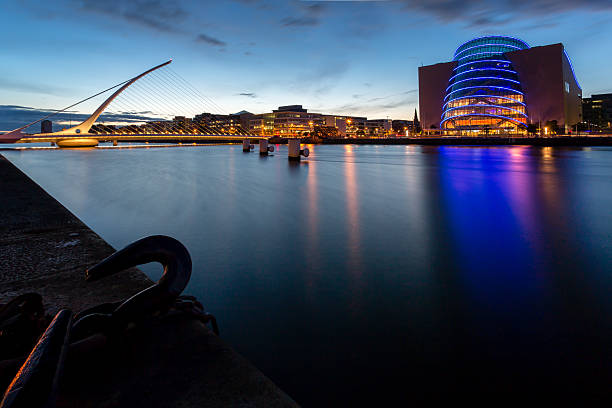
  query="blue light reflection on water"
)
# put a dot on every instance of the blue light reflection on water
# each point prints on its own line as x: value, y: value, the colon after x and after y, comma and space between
x: 375, y: 269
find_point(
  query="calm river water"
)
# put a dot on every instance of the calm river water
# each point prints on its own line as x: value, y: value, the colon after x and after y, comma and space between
x: 368, y: 272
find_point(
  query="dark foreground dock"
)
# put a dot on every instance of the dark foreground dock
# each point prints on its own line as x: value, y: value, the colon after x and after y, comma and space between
x: 173, y: 361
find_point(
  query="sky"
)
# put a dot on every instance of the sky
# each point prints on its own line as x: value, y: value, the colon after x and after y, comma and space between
x: 344, y: 57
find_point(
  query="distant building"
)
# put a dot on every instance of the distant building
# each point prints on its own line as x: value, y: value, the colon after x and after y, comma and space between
x: 159, y: 126
x: 181, y: 124
x: 597, y: 111
x: 213, y: 123
x: 338, y: 122
x: 287, y: 121
x: 356, y: 126
x: 403, y: 127
x: 262, y: 124
x: 498, y: 85
x: 378, y: 127
x: 46, y: 126
x: 243, y: 118
x: 348, y: 126
x: 295, y: 121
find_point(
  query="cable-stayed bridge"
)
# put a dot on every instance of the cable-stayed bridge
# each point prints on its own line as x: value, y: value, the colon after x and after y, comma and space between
x: 138, y: 110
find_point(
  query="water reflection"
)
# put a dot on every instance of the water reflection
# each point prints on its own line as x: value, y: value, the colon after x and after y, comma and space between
x: 376, y: 270
x: 352, y: 210
x: 354, y: 249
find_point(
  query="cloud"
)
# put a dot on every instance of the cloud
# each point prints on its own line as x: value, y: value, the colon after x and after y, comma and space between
x: 480, y: 13
x: 32, y: 87
x: 308, y: 15
x: 210, y: 40
x: 248, y: 94
x: 380, y: 104
x: 299, y: 21
x: 325, y: 71
x: 320, y: 78
x: 380, y: 98
x: 160, y: 15
x: 14, y: 116
x: 398, y: 103
x: 165, y: 16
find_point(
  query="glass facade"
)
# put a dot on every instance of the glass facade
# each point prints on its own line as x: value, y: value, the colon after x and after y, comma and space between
x: 484, y: 93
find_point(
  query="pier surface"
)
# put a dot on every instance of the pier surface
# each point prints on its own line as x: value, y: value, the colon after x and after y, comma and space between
x: 172, y: 361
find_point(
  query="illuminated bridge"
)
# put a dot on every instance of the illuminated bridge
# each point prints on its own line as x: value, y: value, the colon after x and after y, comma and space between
x: 158, y: 87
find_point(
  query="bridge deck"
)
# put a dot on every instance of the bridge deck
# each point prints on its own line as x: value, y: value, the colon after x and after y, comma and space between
x: 42, y: 138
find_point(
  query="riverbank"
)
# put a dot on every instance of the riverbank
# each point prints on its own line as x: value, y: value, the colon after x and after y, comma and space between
x: 569, y: 141
x: 480, y: 141
x: 175, y: 361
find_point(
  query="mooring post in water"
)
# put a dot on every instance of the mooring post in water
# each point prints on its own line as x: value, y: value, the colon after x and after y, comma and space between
x: 264, y: 148
x: 246, y: 145
x: 295, y: 152
x: 115, y: 142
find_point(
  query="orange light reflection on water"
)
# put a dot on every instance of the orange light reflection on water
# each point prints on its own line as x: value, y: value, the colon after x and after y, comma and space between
x: 352, y: 209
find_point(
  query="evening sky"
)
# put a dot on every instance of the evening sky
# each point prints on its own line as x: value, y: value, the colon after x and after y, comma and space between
x: 345, y: 57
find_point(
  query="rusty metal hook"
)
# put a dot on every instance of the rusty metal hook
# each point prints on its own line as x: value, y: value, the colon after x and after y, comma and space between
x: 36, y: 383
x: 176, y: 261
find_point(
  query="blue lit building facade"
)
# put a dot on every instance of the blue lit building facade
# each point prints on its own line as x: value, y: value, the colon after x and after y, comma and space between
x: 485, y: 91
x: 499, y: 85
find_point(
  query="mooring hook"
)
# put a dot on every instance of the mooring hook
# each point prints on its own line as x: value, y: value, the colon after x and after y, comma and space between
x: 90, y: 324
x: 190, y: 305
x: 36, y: 383
x: 173, y: 256
x: 168, y: 251
x: 103, y: 308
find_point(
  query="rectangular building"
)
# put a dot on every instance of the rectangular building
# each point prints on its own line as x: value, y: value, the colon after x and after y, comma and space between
x: 500, y: 79
x: 378, y: 127
x: 597, y: 111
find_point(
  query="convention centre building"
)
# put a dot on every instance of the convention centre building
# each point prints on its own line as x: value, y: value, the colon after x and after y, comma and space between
x: 500, y: 85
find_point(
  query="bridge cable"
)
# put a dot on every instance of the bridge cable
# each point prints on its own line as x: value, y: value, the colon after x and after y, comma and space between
x: 154, y: 88
x: 160, y: 89
x: 171, y: 89
x: 125, y: 107
x: 195, y: 91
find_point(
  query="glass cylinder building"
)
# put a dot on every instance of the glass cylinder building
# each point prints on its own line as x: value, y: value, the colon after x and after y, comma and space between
x: 484, y: 93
